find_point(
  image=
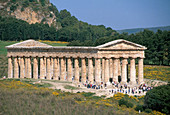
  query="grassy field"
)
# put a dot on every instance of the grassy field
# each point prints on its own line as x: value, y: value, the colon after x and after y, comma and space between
x: 150, y: 72
x: 21, y: 97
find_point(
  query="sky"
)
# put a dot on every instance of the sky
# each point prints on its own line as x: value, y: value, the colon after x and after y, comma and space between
x: 119, y: 14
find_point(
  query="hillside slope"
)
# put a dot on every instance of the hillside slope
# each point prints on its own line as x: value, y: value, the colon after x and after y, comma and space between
x: 136, y: 30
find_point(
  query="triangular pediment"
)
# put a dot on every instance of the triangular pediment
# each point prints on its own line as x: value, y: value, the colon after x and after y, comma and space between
x: 29, y: 43
x: 121, y: 44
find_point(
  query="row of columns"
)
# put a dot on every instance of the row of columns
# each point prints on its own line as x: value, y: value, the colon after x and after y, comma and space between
x: 56, y: 68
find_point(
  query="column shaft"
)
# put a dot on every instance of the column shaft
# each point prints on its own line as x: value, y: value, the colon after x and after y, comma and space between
x: 10, y: 67
x: 22, y: 68
x: 45, y: 67
x: 111, y: 68
x: 119, y: 68
x: 90, y: 71
x: 69, y: 70
x: 124, y: 71
x: 106, y: 75
x: 97, y: 71
x: 62, y: 69
x: 42, y: 72
x: 56, y: 69
x: 132, y: 71
x: 140, y: 70
x: 29, y: 75
x: 115, y: 71
x: 16, y: 69
x: 48, y: 68
x: 35, y: 68
x: 103, y: 68
x: 76, y: 62
x: 83, y: 70
x: 52, y: 67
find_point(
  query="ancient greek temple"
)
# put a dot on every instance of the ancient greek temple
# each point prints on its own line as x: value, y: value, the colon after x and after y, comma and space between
x: 105, y: 63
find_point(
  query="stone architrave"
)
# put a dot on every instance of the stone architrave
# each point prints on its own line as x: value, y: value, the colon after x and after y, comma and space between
x: 132, y: 72
x: 10, y: 67
x: 69, y: 69
x: 140, y: 71
x: 97, y: 71
x: 48, y: 68
x: 106, y: 75
x: 83, y: 70
x: 16, y: 68
x: 115, y: 70
x: 42, y: 68
x: 56, y: 69
x: 35, y: 68
x: 90, y: 71
x: 22, y: 68
x: 124, y: 71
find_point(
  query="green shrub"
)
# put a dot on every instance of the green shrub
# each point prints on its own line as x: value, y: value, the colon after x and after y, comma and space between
x: 129, y: 105
x: 122, y: 102
x: 148, y: 110
x: 158, y: 99
x: 139, y: 107
x: 89, y: 94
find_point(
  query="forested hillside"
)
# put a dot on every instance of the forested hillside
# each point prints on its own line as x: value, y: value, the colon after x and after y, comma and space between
x: 136, y: 30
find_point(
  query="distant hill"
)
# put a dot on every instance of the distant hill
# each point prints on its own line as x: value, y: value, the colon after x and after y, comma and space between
x: 135, y: 30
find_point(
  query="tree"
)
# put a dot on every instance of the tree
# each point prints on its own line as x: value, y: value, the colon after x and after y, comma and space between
x: 158, y: 99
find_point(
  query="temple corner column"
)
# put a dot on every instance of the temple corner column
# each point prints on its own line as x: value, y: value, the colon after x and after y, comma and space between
x: 140, y: 71
x: 10, y: 67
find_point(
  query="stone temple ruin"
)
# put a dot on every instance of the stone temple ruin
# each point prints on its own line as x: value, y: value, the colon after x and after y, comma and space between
x: 104, y: 63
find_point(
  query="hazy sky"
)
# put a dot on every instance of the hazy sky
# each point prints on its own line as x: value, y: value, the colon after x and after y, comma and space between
x: 119, y: 14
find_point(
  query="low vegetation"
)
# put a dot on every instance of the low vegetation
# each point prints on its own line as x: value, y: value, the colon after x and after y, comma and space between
x: 17, y: 97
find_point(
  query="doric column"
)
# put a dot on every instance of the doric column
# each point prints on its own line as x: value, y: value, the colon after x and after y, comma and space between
x: 103, y: 68
x: 62, y: 75
x: 35, y: 68
x: 48, y: 68
x: 10, y: 67
x: 16, y: 69
x: 29, y: 70
x: 69, y: 70
x: 140, y: 71
x: 56, y: 69
x: 52, y: 66
x: 42, y: 72
x: 106, y: 75
x: 90, y: 70
x: 76, y: 70
x: 110, y: 68
x: 45, y: 67
x: 83, y: 70
x: 124, y: 71
x: 115, y: 70
x: 22, y: 68
x: 97, y: 71
x: 119, y: 68
x: 132, y: 72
